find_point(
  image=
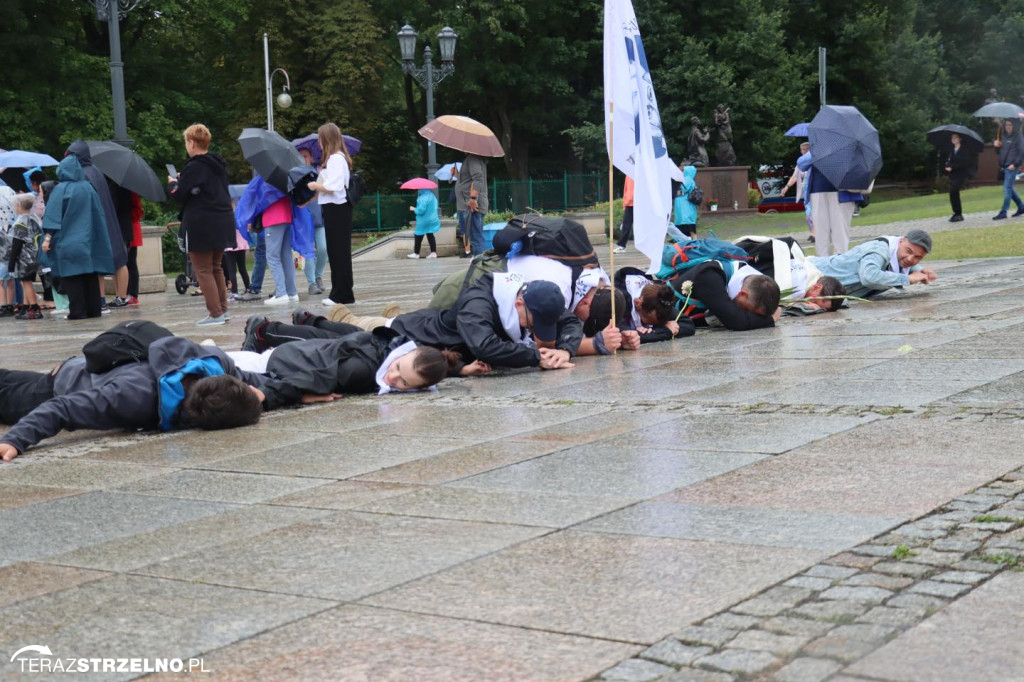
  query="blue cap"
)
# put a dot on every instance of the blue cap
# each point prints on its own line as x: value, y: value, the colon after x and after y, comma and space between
x: 546, y: 304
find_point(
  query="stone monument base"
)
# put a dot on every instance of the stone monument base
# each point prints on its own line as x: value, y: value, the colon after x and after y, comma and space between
x: 728, y: 184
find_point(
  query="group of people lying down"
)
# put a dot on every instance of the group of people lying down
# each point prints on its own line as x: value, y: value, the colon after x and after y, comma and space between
x: 538, y: 312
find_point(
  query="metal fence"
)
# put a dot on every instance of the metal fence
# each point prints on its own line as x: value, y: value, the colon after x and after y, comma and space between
x: 390, y: 212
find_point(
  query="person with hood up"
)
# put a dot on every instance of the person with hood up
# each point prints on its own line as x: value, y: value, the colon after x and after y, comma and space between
x: 684, y: 211
x: 1011, y: 155
x: 80, y: 149
x: 77, y: 242
x: 207, y: 219
x: 427, y: 222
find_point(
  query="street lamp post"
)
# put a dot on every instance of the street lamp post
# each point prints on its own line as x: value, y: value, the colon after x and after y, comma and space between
x: 427, y: 75
x: 111, y: 11
x: 284, y: 100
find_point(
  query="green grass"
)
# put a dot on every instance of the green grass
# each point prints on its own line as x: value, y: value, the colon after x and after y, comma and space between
x: 1006, y: 559
x: 902, y: 552
x: 989, y: 518
x: 986, y: 242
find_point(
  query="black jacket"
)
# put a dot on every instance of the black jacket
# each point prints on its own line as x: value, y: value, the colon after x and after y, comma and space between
x: 710, y: 288
x: 473, y: 327
x: 345, y: 365
x: 659, y: 332
x: 959, y: 163
x: 1012, y: 150
x: 207, y: 219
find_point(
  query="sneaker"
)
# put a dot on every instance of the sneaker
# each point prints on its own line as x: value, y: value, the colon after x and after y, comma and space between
x: 314, y: 290
x: 254, y: 327
x: 294, y: 298
x: 466, y: 255
x: 957, y: 218
x: 208, y: 342
x: 118, y: 302
x: 104, y: 307
x: 133, y: 300
x: 277, y: 300
x: 999, y: 216
x: 222, y: 319
x: 29, y: 313
x: 1018, y: 212
x: 232, y: 296
x: 302, y: 317
x: 413, y: 256
x: 433, y: 254
x: 6, y: 311
x: 619, y: 249
x: 249, y: 296
x: 320, y: 284
x: 329, y: 303
x: 391, y: 310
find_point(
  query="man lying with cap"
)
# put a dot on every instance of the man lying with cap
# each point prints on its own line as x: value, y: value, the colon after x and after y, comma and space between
x: 880, y: 264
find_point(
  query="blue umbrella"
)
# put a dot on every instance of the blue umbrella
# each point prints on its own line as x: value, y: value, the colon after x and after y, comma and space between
x: 845, y: 147
x: 799, y: 130
x: 444, y: 173
x: 17, y: 158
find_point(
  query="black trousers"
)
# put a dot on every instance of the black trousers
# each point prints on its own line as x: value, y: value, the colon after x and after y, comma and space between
x: 627, y: 226
x: 133, y: 271
x: 278, y: 333
x: 83, y: 294
x: 338, y: 233
x: 234, y: 264
x: 22, y: 392
x: 955, y: 185
x: 417, y: 242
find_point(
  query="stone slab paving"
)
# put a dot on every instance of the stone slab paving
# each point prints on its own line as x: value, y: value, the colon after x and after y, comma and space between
x: 828, y: 499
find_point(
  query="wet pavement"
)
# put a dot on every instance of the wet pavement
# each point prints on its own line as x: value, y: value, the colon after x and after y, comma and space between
x: 714, y: 508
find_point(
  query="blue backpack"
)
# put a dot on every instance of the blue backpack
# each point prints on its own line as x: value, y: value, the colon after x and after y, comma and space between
x: 677, y: 258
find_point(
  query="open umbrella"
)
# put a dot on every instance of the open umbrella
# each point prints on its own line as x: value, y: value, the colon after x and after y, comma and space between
x: 968, y: 138
x: 799, y: 130
x: 999, y: 110
x: 418, y: 183
x: 126, y: 168
x: 845, y: 147
x: 270, y: 154
x: 16, y: 158
x: 312, y: 143
x: 444, y: 173
x: 464, y: 134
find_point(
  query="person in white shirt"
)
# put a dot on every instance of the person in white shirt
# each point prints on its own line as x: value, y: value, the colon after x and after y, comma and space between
x: 332, y: 186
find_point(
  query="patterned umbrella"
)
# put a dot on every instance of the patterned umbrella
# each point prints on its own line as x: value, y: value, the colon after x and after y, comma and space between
x: 845, y: 147
x: 464, y: 134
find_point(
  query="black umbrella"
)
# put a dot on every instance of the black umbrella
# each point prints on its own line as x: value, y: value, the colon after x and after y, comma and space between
x: 999, y: 110
x: 126, y: 168
x: 845, y: 147
x: 270, y: 154
x: 968, y: 138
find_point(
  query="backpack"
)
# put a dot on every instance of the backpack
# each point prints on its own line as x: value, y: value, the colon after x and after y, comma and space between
x: 696, y: 196
x: 123, y: 343
x: 678, y: 258
x: 356, y: 188
x: 559, y: 239
x: 447, y: 291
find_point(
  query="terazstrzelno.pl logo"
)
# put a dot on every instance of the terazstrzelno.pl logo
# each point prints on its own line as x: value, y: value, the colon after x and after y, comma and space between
x: 39, y: 659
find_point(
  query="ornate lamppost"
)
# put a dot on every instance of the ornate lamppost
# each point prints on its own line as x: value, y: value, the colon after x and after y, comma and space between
x: 427, y: 76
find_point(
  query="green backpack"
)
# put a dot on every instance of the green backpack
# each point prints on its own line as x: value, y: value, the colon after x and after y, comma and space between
x: 447, y: 291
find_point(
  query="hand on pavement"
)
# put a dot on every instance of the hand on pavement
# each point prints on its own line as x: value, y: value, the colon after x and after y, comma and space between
x: 8, y: 452
x: 552, y: 358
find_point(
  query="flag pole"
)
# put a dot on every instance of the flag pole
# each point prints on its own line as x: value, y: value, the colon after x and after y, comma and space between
x: 611, y: 203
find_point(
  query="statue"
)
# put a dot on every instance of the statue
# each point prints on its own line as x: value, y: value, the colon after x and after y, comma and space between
x: 725, y: 154
x: 699, y: 136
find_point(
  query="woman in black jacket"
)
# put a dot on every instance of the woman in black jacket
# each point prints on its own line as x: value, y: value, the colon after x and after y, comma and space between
x: 207, y: 219
x: 958, y: 166
x: 1011, y: 154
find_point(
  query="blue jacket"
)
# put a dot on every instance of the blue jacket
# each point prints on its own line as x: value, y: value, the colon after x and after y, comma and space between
x: 684, y: 212
x: 427, y: 221
x: 74, y: 217
x: 258, y: 196
x: 864, y: 270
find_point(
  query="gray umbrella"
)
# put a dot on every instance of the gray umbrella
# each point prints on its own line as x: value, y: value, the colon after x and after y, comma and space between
x: 999, y: 110
x: 126, y: 168
x: 845, y: 147
x: 270, y: 154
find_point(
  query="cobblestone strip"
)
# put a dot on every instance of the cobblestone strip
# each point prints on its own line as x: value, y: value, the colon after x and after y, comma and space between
x: 811, y: 626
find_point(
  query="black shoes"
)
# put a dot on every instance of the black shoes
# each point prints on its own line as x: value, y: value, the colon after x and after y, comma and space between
x: 999, y: 216
x: 253, y: 338
x: 1018, y: 212
x: 957, y: 218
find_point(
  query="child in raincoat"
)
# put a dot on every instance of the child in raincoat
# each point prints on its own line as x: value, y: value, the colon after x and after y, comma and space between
x: 427, y: 222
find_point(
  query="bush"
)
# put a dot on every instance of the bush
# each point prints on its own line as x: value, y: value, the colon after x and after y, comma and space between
x: 753, y: 197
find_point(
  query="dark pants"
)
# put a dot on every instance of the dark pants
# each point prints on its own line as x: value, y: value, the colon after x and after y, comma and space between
x: 83, y: 294
x: 234, y: 264
x: 133, y: 271
x: 417, y: 242
x: 627, y: 226
x: 955, y: 185
x: 279, y: 333
x: 210, y: 275
x: 22, y: 392
x: 338, y: 233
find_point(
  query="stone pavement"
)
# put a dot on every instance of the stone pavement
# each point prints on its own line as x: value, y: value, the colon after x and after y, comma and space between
x: 836, y: 498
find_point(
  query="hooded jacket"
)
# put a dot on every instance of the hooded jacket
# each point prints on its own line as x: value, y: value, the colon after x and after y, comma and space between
x: 126, y: 397
x: 258, y: 196
x: 207, y: 220
x: 473, y: 326
x: 80, y: 150
x: 685, y: 212
x: 80, y: 244
x: 710, y: 288
x: 1011, y: 153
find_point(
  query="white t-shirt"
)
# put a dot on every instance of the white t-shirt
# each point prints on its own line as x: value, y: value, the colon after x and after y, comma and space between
x: 334, y: 177
x: 534, y: 268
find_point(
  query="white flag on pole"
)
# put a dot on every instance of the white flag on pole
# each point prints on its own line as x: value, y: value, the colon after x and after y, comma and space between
x: 639, y: 149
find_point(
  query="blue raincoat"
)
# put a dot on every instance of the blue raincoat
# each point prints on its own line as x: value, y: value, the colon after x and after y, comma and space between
x: 257, y: 198
x: 74, y: 216
x: 427, y: 221
x: 684, y: 211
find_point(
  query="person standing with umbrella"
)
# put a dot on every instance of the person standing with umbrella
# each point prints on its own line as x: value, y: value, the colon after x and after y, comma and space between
x: 958, y: 165
x: 471, y: 200
x: 1011, y: 155
x: 207, y: 219
x: 332, y: 186
x: 427, y: 220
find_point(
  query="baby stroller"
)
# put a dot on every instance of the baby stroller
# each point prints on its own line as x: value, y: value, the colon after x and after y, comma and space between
x: 187, y: 279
